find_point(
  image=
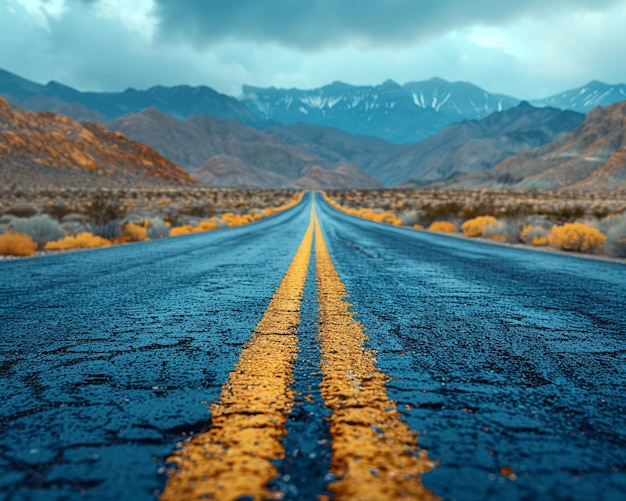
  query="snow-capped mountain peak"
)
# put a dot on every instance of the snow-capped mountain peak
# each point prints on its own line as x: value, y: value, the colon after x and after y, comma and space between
x: 405, y: 113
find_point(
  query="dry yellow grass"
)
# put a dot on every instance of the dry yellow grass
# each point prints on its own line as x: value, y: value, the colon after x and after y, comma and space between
x: 84, y: 240
x: 134, y: 233
x: 577, y: 237
x: 443, y: 226
x: 475, y: 227
x: 16, y: 244
x: 182, y: 230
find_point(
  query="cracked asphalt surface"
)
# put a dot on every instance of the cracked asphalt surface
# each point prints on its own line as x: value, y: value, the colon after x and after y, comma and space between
x: 509, y: 363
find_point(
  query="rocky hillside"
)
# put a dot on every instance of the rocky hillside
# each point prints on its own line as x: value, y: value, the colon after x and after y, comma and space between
x: 226, y: 153
x: 475, y: 145
x: 39, y: 150
x: 592, y: 156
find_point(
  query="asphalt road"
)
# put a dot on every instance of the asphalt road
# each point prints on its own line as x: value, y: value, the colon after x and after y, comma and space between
x: 510, y: 364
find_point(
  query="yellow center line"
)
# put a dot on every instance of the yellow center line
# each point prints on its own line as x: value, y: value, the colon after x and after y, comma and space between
x: 374, y: 454
x: 233, y: 459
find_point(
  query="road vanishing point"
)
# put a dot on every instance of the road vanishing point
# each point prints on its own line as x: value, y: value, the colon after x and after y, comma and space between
x: 312, y: 356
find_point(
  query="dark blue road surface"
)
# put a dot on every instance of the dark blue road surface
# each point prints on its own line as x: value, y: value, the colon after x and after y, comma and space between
x: 508, y: 358
x: 510, y: 363
x: 109, y: 355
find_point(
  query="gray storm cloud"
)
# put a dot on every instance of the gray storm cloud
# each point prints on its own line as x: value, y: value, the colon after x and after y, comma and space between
x: 315, y: 24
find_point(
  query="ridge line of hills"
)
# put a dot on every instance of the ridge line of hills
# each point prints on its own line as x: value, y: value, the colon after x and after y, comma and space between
x: 496, y: 150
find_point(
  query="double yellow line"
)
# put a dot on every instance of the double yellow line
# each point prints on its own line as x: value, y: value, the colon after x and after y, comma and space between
x: 374, y: 454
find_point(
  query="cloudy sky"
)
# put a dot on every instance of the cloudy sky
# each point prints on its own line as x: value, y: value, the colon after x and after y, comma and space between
x: 524, y: 48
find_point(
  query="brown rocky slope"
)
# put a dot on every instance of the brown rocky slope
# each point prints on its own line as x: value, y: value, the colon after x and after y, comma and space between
x: 45, y: 150
x: 225, y: 153
x: 591, y: 157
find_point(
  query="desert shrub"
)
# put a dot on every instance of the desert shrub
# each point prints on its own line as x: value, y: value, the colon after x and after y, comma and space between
x: 417, y: 227
x: 105, y: 207
x: 206, y: 226
x: 84, y: 240
x: 616, y: 235
x: 16, y: 244
x: 476, y: 227
x: 104, y: 213
x: 182, y: 230
x: 409, y: 217
x: 443, y: 226
x: 109, y: 230
x: 132, y: 232
x: 157, y: 228
x: 505, y: 230
x: 534, y: 235
x: 577, y: 237
x: 41, y: 229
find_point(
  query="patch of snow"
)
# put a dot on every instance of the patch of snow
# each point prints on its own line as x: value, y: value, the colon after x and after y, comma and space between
x: 419, y: 103
x: 287, y: 101
x: 303, y: 110
x: 258, y: 104
x: 443, y: 101
x: 313, y: 101
x: 583, y: 90
x: 332, y: 101
x: 499, y: 106
x: 621, y: 91
x: 433, y: 105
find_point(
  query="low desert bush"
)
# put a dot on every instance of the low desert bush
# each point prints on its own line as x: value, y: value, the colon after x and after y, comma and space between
x: 157, y: 228
x: 104, y: 208
x: 206, y: 226
x: 577, y: 237
x: 84, y: 240
x: 182, y: 230
x: 443, y: 226
x: 476, y: 227
x: 534, y: 235
x: 105, y: 212
x: 616, y: 235
x: 41, y: 229
x: 132, y: 232
x: 409, y: 217
x: 16, y: 244
x: 505, y: 230
x: 109, y: 230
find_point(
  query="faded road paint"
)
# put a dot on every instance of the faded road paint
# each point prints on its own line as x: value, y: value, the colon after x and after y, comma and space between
x: 375, y: 454
x: 233, y: 459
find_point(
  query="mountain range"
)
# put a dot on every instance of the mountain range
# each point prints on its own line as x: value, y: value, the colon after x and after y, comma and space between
x: 346, y: 136
x: 226, y: 153
x: 397, y: 113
